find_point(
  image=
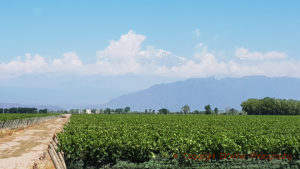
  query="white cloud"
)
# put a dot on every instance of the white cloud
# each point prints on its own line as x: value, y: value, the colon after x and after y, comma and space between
x: 123, y: 51
x: 17, y: 67
x: 69, y: 63
x: 206, y: 63
x: 127, y: 55
x: 70, y: 59
x: 244, y: 54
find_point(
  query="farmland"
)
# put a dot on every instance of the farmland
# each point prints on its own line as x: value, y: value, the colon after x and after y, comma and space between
x: 14, y: 116
x: 98, y: 140
x: 17, y: 120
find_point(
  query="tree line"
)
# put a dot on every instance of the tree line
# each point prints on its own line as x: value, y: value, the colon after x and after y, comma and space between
x: 271, y: 106
x: 265, y: 106
x: 184, y: 110
x: 22, y: 110
x: 207, y: 110
x: 102, y: 111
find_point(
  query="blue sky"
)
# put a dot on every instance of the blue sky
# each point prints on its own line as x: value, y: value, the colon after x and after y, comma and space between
x: 173, y: 39
x: 51, y: 28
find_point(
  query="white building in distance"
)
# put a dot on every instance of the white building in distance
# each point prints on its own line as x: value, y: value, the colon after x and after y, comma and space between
x: 88, y: 111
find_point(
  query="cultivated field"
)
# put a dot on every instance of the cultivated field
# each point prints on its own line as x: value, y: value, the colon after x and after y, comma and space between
x: 172, y: 141
x: 6, y: 116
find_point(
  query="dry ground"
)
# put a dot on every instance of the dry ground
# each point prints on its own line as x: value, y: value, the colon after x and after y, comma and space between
x: 27, y: 148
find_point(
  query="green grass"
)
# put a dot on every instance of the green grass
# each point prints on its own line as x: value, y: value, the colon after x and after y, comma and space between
x: 98, y: 140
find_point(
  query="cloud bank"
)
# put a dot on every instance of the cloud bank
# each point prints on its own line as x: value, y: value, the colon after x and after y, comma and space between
x: 244, y: 54
x: 126, y: 55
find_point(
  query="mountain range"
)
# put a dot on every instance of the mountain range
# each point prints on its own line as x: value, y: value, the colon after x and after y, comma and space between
x: 198, y: 92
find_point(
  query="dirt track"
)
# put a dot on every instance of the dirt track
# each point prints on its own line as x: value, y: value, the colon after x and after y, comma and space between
x: 25, y: 148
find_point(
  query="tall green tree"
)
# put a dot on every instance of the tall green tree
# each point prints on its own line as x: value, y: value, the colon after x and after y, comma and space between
x: 216, y: 110
x: 185, y: 109
x: 208, y: 109
x: 119, y: 110
x: 127, y: 109
x: 163, y: 111
x: 271, y: 106
x: 107, y: 111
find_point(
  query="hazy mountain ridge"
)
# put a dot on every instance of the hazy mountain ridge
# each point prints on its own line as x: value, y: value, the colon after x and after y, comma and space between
x: 73, y: 91
x: 197, y: 92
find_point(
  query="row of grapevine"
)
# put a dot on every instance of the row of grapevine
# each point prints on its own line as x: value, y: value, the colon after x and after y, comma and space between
x: 12, y: 121
x: 97, y: 140
x: 14, y: 116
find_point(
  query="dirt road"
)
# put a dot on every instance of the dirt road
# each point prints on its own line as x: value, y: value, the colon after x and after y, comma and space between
x: 27, y: 147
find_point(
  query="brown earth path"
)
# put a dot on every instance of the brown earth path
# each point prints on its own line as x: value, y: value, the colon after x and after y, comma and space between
x: 27, y: 148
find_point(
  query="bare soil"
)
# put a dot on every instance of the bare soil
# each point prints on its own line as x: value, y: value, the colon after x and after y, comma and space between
x: 27, y: 147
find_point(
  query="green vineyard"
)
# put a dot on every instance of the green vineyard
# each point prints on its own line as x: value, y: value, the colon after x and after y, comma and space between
x: 14, y: 116
x: 98, y: 140
x: 13, y: 121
